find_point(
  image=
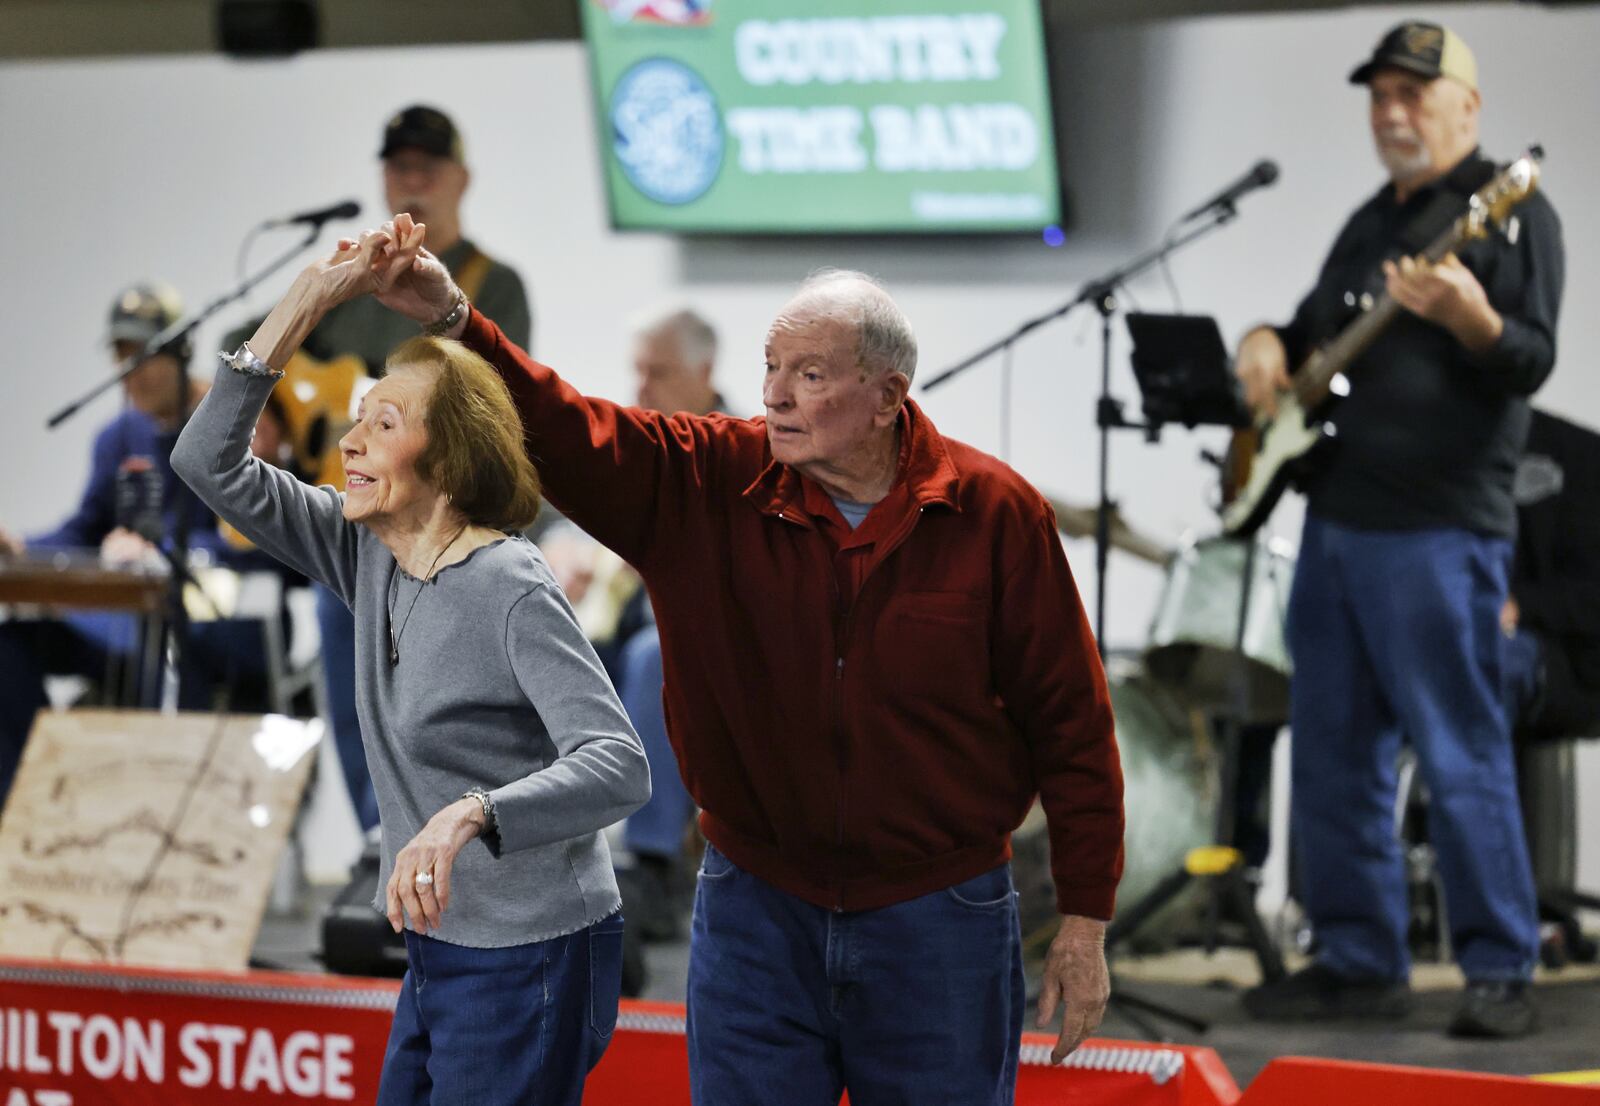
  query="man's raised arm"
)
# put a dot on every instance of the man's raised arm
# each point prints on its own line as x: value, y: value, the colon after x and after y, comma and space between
x: 616, y: 471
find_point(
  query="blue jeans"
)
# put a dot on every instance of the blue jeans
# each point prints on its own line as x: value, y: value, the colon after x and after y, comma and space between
x: 791, y: 1004
x: 336, y: 627
x: 1397, y: 635
x: 656, y: 828
x: 506, y: 1026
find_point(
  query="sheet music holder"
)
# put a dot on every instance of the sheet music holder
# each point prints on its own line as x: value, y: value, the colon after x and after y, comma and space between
x: 1183, y: 371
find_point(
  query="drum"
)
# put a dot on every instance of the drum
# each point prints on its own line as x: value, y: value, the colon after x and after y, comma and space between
x: 1196, y: 627
x: 1171, y: 792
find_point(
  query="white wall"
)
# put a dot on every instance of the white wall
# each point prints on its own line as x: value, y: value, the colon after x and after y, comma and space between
x: 115, y: 170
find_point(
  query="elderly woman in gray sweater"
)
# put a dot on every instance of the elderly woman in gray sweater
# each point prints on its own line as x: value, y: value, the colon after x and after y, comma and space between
x: 497, y: 746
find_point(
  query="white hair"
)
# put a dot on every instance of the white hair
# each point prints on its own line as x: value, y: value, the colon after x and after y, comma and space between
x: 885, y: 341
x: 696, y: 339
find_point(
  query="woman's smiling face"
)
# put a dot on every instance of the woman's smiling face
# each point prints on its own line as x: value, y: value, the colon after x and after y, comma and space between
x: 380, y: 452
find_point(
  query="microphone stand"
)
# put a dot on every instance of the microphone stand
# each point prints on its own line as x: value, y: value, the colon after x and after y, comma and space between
x: 1102, y: 293
x: 176, y: 553
x: 177, y: 330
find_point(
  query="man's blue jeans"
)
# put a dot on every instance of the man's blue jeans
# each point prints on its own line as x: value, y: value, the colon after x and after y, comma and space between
x: 1396, y: 635
x: 506, y: 1026
x: 791, y: 1004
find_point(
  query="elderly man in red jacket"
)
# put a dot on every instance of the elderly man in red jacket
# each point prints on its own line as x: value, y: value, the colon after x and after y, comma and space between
x: 875, y: 657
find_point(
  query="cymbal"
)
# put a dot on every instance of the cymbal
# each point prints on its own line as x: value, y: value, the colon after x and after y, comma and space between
x: 1080, y: 522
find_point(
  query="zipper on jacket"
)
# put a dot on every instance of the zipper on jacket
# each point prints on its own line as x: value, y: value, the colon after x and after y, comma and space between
x: 842, y: 636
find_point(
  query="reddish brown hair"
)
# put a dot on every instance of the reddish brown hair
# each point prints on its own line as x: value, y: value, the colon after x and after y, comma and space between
x: 474, y: 452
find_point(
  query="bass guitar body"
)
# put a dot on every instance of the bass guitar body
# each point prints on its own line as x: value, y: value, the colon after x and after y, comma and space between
x: 1270, y: 458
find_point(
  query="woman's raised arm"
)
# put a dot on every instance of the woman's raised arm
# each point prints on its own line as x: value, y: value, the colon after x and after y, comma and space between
x: 301, y: 526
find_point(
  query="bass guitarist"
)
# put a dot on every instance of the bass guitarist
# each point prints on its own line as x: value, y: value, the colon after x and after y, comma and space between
x: 1394, y: 615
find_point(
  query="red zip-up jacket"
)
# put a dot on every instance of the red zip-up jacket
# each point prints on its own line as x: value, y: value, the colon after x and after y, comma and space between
x: 863, y: 717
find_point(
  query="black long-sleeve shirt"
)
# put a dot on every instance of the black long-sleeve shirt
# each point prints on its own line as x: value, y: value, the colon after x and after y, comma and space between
x: 1431, y: 432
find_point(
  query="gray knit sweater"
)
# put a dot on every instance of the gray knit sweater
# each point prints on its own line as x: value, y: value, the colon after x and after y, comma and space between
x: 496, y: 687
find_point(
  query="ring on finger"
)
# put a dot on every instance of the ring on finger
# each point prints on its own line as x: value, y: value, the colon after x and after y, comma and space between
x: 423, y: 879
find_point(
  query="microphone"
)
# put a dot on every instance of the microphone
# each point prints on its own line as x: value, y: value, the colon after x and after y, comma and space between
x: 1264, y: 173
x: 137, y: 499
x: 349, y: 209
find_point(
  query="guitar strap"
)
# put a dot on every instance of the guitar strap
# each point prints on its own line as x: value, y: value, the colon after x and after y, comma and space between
x: 473, y: 272
x: 1448, y: 204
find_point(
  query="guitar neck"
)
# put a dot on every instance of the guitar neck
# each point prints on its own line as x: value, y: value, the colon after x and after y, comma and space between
x: 1314, y: 381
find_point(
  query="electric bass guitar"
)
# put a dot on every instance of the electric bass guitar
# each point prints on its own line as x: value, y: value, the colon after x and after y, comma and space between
x: 1285, y: 448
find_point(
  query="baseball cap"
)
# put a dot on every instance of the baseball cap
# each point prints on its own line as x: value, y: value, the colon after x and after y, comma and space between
x: 424, y: 128
x: 141, y: 311
x: 1426, y: 49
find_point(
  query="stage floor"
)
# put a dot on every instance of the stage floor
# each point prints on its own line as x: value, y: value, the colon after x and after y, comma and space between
x: 1208, y: 988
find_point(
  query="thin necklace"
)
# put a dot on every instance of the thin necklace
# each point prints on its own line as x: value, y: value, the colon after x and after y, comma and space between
x: 394, y: 638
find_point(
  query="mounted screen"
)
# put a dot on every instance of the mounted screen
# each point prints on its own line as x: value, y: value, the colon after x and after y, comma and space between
x: 800, y: 116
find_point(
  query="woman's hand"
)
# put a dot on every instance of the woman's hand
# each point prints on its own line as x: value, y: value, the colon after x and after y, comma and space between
x: 357, y: 267
x: 367, y: 265
x: 431, y: 853
x: 414, y: 283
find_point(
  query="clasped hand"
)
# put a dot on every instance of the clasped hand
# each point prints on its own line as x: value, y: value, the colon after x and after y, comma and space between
x: 391, y: 264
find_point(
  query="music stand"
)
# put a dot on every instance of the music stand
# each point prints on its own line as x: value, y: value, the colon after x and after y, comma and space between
x: 1185, y: 377
x: 1183, y: 371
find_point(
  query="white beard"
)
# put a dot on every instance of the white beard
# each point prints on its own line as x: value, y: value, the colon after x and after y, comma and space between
x: 1404, y: 156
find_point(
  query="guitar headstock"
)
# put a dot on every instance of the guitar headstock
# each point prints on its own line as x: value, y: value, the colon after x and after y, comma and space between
x: 1491, y: 205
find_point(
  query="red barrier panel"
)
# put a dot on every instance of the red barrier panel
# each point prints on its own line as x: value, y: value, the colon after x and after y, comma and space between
x: 75, y: 1035
x: 648, y: 1063
x: 1299, y: 1081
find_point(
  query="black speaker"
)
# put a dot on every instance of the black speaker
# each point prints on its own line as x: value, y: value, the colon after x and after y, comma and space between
x: 356, y: 939
x: 266, y: 28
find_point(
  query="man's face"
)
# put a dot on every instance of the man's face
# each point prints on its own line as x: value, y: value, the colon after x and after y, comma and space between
x: 666, y: 381
x: 426, y: 185
x: 822, y: 405
x: 1421, y: 127
x: 153, y: 387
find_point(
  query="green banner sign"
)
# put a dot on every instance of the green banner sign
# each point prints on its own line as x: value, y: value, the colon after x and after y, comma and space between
x: 788, y: 116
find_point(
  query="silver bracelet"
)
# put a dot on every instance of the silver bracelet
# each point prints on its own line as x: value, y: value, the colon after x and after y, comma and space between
x: 491, y: 824
x: 441, y: 327
x: 244, y: 360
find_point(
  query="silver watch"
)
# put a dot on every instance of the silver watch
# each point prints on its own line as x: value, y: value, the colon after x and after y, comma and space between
x: 441, y: 327
x: 244, y: 360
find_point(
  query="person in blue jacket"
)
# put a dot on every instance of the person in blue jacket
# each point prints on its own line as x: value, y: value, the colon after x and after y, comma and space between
x: 132, y: 506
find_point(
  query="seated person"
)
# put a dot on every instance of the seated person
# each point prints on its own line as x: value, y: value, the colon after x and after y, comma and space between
x: 674, y: 359
x: 1552, y: 619
x: 132, y: 501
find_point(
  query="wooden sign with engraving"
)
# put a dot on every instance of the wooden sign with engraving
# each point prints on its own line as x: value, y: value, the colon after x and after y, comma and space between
x: 134, y: 837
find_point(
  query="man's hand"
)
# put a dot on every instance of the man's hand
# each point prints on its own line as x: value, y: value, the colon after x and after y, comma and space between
x: 124, y: 547
x: 431, y: 852
x: 1263, y: 368
x: 413, y: 282
x: 11, y: 545
x: 1510, y: 617
x: 1076, y: 979
x: 1446, y: 294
